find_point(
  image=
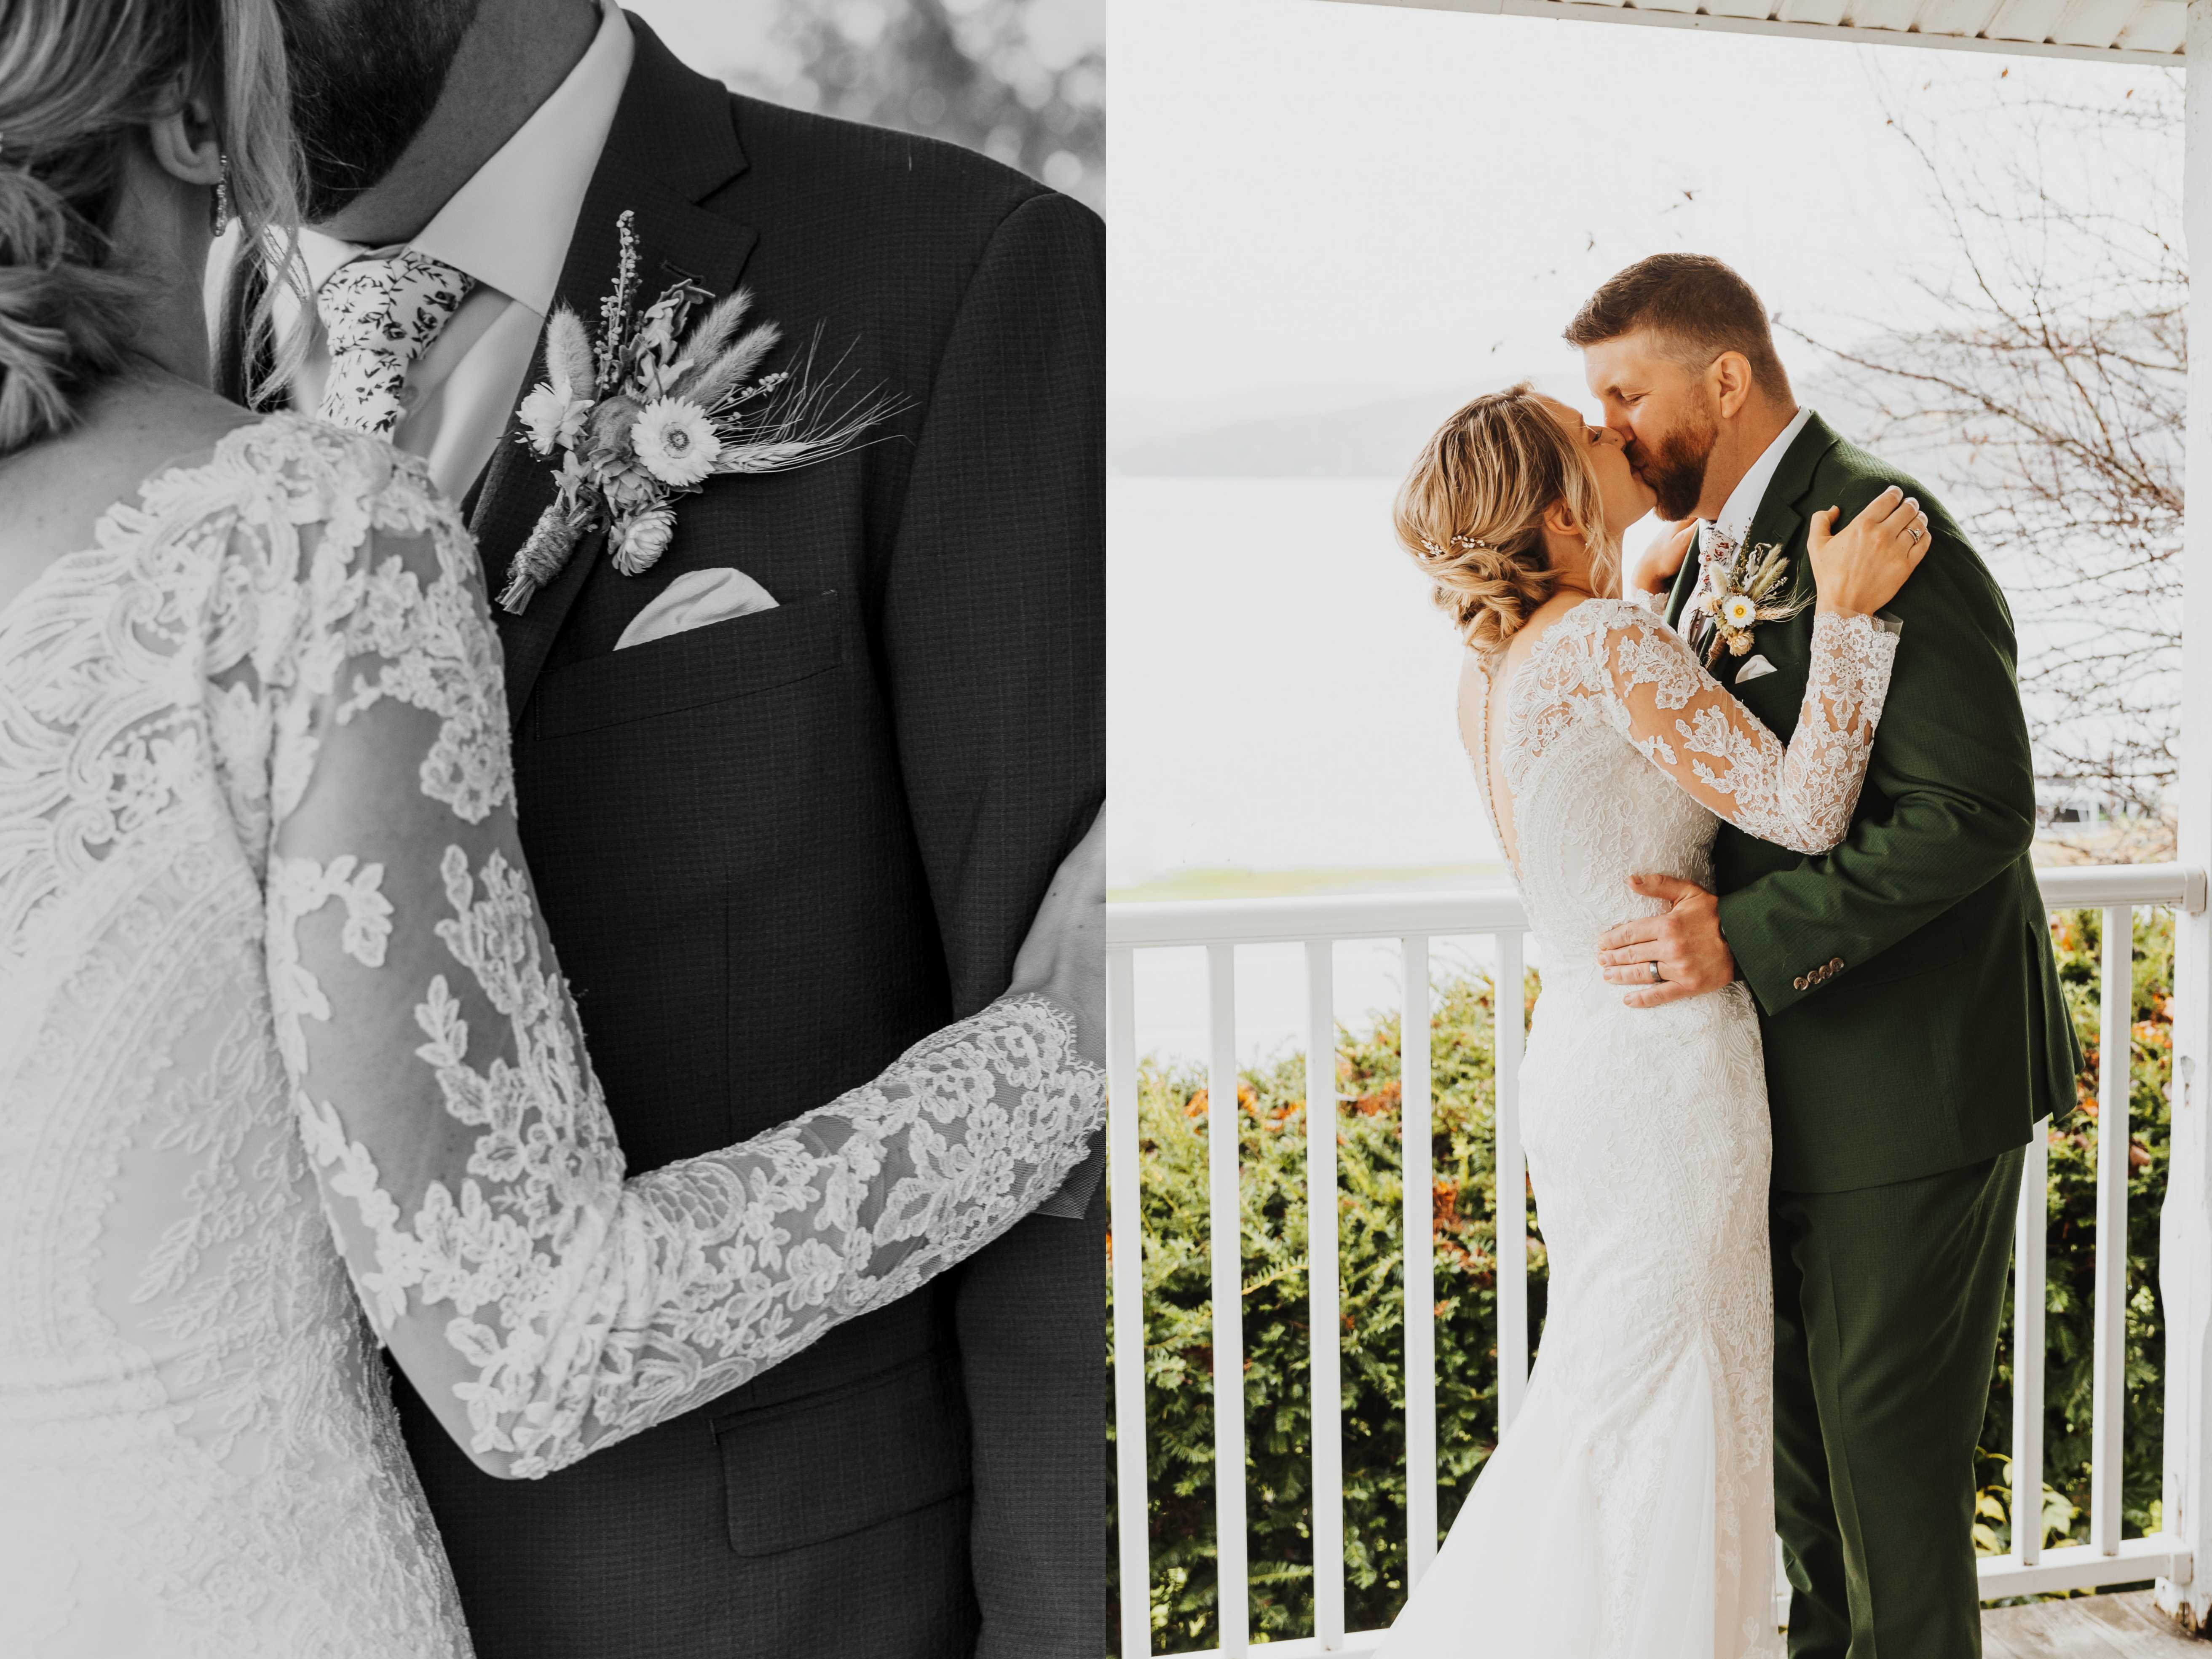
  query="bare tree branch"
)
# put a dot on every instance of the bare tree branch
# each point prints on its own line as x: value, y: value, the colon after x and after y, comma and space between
x: 2048, y: 403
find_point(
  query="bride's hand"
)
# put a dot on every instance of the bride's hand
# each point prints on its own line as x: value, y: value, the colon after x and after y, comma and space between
x: 1655, y: 567
x: 1861, y: 569
x: 1064, y: 956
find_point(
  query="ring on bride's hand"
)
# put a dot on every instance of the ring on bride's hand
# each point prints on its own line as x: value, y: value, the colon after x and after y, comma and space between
x: 1656, y: 976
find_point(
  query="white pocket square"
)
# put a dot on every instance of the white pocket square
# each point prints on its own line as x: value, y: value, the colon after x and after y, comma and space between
x: 694, y: 599
x: 1755, y: 668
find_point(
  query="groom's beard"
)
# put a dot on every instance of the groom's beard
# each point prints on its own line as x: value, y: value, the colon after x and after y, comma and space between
x: 366, y: 74
x: 1673, y: 469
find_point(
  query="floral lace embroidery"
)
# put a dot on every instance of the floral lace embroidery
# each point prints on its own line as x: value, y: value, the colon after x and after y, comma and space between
x: 546, y: 1305
x: 1650, y: 687
x: 1647, y: 1139
x: 196, y: 1445
x: 197, y: 1442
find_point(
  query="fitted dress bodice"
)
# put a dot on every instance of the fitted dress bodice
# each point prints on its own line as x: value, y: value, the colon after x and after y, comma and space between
x: 1626, y: 1513
x: 287, y: 1069
x: 197, y: 1444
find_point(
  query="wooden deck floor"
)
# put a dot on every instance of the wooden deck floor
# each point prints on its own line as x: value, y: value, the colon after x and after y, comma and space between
x: 2128, y: 1626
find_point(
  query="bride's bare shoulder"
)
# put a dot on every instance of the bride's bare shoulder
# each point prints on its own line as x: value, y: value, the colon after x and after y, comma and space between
x: 56, y: 490
x: 125, y: 434
x: 141, y: 424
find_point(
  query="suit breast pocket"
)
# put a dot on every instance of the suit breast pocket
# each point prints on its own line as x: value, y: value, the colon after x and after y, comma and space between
x: 719, y: 662
x: 829, y: 1464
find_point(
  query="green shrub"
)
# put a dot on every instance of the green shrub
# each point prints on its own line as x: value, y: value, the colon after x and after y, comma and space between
x: 2071, y: 1232
x: 1173, y: 1110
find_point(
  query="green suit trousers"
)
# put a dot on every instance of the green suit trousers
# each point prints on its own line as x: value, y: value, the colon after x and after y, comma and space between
x: 1887, y: 1302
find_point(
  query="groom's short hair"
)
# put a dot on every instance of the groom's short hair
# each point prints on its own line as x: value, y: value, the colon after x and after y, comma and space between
x: 1695, y: 301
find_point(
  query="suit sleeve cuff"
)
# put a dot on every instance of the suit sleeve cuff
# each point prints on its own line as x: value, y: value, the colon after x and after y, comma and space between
x: 1768, y: 964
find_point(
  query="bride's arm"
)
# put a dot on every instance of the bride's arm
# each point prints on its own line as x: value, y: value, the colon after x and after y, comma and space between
x: 1800, y: 796
x: 541, y: 1302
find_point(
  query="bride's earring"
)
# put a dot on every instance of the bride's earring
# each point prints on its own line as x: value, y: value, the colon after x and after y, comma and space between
x: 219, y: 210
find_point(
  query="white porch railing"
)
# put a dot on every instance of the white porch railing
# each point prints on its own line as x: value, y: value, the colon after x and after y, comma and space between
x: 1413, y: 920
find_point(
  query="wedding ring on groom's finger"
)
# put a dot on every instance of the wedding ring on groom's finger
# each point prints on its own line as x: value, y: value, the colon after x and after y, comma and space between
x: 1658, y: 978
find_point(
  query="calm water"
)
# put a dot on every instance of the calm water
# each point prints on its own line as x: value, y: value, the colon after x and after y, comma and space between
x: 1280, y: 689
x: 1281, y: 696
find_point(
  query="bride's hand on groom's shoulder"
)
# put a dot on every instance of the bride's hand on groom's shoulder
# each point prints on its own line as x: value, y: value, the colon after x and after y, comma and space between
x: 1859, y: 569
x: 1684, y: 940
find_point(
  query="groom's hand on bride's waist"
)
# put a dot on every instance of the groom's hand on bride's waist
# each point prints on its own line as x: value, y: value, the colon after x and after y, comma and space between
x: 1684, y: 940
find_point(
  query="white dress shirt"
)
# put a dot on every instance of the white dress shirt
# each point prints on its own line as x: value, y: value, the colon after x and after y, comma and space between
x: 510, y: 227
x: 1742, y: 506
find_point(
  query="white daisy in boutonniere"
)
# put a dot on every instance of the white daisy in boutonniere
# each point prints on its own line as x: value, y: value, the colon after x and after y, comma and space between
x: 1744, y: 587
x: 654, y: 408
x: 676, y: 442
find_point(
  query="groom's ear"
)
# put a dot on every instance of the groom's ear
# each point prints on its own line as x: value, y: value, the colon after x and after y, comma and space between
x: 1729, y: 377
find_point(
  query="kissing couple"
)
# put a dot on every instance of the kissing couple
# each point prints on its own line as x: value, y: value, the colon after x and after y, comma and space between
x: 606, y: 517
x: 1768, y: 800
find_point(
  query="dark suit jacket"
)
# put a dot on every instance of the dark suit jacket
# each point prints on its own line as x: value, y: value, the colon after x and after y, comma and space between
x: 1907, y: 990
x: 775, y: 851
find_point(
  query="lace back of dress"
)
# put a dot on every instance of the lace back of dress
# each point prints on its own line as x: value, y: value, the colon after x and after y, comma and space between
x: 196, y: 1447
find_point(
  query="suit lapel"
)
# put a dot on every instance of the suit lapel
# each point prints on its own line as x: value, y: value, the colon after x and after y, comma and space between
x: 1685, y: 583
x: 1779, y: 520
x: 1782, y: 509
x: 672, y: 144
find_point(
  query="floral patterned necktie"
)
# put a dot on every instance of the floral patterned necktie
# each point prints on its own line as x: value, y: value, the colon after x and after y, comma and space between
x: 381, y: 314
x: 1711, y: 548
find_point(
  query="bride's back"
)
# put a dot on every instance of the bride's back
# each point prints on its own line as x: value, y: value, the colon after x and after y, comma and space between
x: 188, y: 1395
x: 54, y: 491
x: 1574, y: 801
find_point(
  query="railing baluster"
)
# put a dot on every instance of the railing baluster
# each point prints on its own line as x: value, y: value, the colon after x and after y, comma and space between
x: 2028, y: 1350
x: 2108, y: 1394
x: 2027, y: 1570
x: 1225, y: 1243
x: 1324, y: 1313
x: 1512, y: 1187
x: 1417, y: 1177
x: 1132, y: 1495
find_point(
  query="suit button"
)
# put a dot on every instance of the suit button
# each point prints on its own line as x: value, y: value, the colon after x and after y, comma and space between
x: 1837, y: 966
x: 1799, y: 983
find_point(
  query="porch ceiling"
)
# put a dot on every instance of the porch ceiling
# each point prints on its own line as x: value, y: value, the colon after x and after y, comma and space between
x: 2123, y: 31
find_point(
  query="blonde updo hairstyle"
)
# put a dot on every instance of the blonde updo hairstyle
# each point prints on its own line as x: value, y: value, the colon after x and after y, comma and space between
x: 1472, y: 511
x: 78, y: 81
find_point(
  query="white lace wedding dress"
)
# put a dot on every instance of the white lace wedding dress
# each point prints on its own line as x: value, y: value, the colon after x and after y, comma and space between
x: 1628, y: 1512
x: 280, y: 1039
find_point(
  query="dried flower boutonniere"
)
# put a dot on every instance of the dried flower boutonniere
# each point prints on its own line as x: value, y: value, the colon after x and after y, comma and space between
x: 655, y: 407
x: 1742, y: 584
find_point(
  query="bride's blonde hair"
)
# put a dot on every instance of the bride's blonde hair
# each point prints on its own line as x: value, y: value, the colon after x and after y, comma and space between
x: 78, y: 78
x: 1471, y: 513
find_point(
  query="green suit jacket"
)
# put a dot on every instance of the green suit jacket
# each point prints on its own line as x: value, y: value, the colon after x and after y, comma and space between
x: 1906, y: 989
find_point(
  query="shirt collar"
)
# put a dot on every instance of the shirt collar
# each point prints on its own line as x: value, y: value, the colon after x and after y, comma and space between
x: 510, y: 225
x: 1735, y: 519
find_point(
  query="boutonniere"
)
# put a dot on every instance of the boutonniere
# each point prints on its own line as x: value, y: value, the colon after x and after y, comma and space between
x: 648, y: 412
x: 1740, y: 590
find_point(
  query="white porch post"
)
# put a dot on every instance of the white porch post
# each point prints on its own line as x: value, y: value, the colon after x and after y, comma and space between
x: 2185, y: 1223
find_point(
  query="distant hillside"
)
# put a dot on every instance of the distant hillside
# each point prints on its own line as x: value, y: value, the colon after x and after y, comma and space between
x: 1326, y: 432
x: 1374, y: 440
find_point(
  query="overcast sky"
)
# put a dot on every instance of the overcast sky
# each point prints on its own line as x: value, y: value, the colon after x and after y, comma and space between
x: 1317, y: 205
x: 1307, y: 193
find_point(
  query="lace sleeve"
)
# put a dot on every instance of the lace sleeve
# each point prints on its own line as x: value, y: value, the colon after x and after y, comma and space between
x: 1686, y: 723
x: 545, y: 1305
